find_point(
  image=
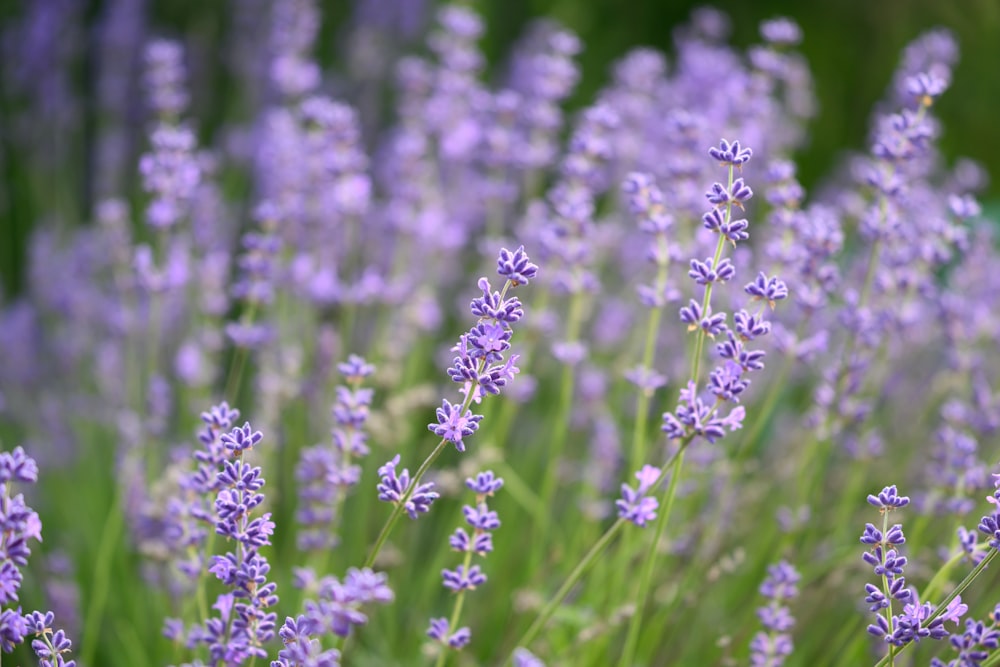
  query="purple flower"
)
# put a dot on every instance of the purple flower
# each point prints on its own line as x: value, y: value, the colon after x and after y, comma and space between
x: 525, y: 658
x: 396, y: 490
x: 171, y: 174
x: 241, y: 439
x: 781, y: 32
x: 49, y: 646
x: 495, y: 307
x: 482, y: 520
x: 244, y: 607
x: 326, y: 473
x: 635, y: 505
x: 515, y: 266
x: 767, y: 289
x: 704, y: 273
x: 770, y: 647
x: 736, y: 195
x: 453, y: 425
x: 165, y: 78
x: 335, y: 609
x: 439, y: 631
x: 484, y: 483
x: 888, y: 499
x: 461, y: 579
x: 731, y: 154
x: 913, y: 623
x: 926, y: 87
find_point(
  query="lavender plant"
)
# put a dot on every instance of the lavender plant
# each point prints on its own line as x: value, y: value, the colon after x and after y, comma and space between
x: 272, y: 250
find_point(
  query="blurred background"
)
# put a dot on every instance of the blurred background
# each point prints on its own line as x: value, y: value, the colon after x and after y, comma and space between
x: 71, y: 116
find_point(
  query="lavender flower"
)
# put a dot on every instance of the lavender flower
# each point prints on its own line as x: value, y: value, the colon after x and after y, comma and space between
x: 165, y: 78
x: 326, y: 473
x: 19, y: 524
x: 479, y: 542
x: 989, y: 525
x: 771, y: 646
x: 396, y: 490
x: 635, y: 505
x: 49, y: 646
x: 525, y: 658
x: 693, y: 416
x: 335, y: 609
x: 244, y: 623
x: 480, y: 365
x: 171, y: 174
x: 888, y: 565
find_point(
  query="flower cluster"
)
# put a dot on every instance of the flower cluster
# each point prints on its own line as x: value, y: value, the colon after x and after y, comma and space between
x: 480, y: 366
x: 19, y: 524
x: 773, y: 644
x: 396, y: 489
x: 244, y: 624
x: 915, y: 622
x: 974, y: 645
x: 327, y: 473
x: 466, y: 576
x: 693, y: 416
x: 334, y: 609
x: 636, y: 505
x: 989, y: 525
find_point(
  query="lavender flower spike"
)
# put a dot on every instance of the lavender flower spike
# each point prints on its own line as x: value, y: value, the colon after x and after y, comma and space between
x: 770, y: 647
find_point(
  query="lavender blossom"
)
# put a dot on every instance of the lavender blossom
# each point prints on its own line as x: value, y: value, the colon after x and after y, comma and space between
x: 396, y: 490
x: 165, y: 78
x: 20, y: 524
x: 244, y: 623
x: 888, y: 564
x: 479, y: 542
x: 989, y: 524
x: 326, y: 473
x: 693, y: 416
x: 171, y: 174
x: 636, y: 505
x: 334, y: 609
x: 974, y: 645
x: 771, y: 646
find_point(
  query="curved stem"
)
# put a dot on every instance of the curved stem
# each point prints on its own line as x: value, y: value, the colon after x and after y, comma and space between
x: 581, y: 567
x: 645, y: 578
x: 567, y: 585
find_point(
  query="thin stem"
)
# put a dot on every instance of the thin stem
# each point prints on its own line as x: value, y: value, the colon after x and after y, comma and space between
x: 567, y: 585
x: 581, y: 567
x: 110, y: 535
x: 648, y: 354
x: 645, y: 579
x: 456, y: 612
x: 397, y: 510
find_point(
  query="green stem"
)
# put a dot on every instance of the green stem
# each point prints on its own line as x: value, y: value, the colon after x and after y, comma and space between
x: 646, y: 577
x: 110, y: 536
x: 397, y: 510
x: 599, y: 546
x: 567, y: 585
x: 557, y: 443
x: 456, y: 613
x: 645, y: 396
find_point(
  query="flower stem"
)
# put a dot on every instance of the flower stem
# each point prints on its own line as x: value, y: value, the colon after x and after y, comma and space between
x: 645, y: 578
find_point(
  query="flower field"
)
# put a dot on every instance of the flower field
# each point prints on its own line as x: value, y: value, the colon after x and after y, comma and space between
x: 416, y: 361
